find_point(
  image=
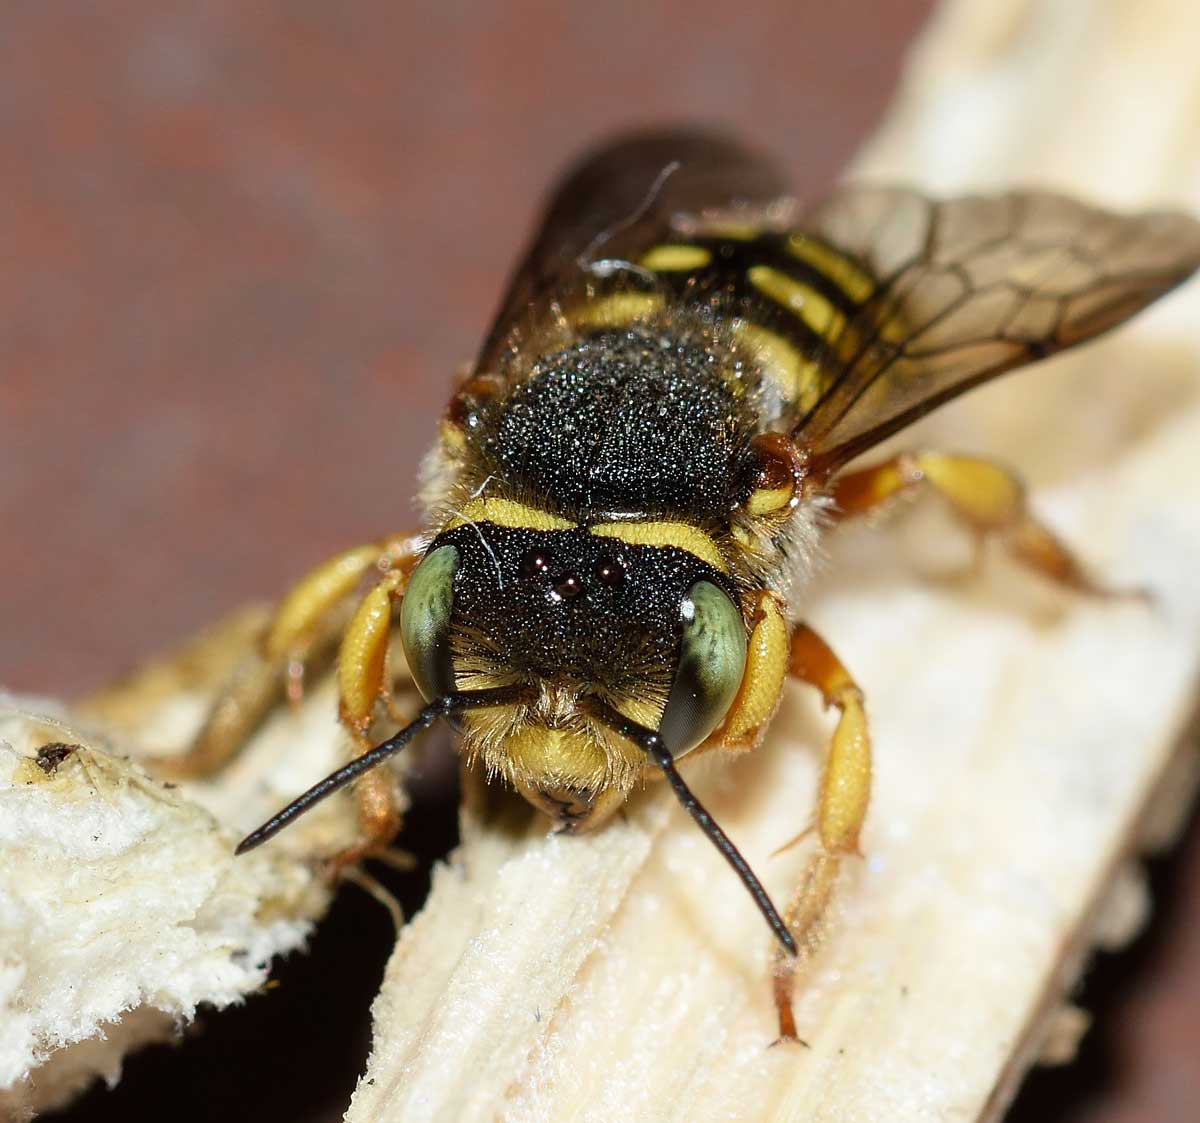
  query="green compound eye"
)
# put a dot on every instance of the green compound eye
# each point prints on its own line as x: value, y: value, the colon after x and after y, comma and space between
x: 425, y: 623
x: 712, y: 658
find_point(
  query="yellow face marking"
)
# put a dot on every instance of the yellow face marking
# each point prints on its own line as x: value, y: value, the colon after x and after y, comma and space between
x: 508, y: 512
x: 676, y: 259
x: 801, y: 299
x: 683, y: 536
x: 618, y: 310
x: 532, y: 755
x: 556, y: 756
x: 799, y: 379
x: 852, y: 280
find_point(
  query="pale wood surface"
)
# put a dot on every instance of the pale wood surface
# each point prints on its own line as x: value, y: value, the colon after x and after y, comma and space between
x: 1021, y: 737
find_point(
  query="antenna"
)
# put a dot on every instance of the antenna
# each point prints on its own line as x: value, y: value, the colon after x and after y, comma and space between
x: 441, y: 707
x: 649, y: 741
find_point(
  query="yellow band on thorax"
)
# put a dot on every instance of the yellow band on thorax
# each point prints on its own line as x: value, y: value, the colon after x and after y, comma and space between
x: 654, y: 532
x: 510, y: 513
x: 683, y: 536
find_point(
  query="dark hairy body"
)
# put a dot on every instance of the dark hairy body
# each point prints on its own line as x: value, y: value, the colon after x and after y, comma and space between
x: 634, y: 422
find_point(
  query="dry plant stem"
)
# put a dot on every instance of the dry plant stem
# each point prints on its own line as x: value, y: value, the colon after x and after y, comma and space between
x: 1021, y: 735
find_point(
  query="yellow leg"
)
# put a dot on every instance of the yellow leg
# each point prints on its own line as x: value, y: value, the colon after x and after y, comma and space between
x: 989, y: 499
x: 363, y: 682
x: 842, y: 799
x: 757, y: 698
x: 304, y: 623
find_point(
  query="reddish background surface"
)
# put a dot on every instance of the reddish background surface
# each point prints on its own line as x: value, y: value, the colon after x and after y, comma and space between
x: 243, y: 245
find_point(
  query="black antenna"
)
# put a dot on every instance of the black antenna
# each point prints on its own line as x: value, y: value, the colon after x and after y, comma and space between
x: 440, y: 707
x: 652, y: 745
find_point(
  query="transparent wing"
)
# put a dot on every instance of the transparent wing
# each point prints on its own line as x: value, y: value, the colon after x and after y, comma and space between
x: 623, y: 198
x: 965, y: 289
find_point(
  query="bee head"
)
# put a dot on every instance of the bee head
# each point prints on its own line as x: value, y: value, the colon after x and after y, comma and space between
x: 584, y: 622
x: 573, y: 659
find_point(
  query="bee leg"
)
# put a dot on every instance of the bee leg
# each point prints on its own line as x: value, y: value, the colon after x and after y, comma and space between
x: 989, y: 499
x: 758, y: 696
x: 842, y: 799
x: 304, y: 622
x: 363, y: 682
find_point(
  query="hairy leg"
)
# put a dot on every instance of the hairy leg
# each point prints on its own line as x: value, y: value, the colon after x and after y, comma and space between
x: 758, y: 696
x: 305, y: 622
x: 363, y: 683
x: 842, y: 799
x: 986, y: 497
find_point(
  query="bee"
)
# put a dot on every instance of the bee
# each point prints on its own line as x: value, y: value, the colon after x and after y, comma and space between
x: 632, y: 481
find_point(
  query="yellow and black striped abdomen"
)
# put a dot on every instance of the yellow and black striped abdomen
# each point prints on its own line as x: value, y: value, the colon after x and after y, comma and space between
x: 646, y: 399
x: 787, y: 298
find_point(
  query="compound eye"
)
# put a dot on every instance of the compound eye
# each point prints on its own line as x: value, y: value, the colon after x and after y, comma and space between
x: 712, y: 659
x: 425, y: 623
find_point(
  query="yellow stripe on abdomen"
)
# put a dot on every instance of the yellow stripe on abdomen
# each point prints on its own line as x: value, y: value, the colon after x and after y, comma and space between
x: 841, y: 271
x: 675, y: 258
x: 617, y: 310
x: 803, y: 301
x: 799, y: 380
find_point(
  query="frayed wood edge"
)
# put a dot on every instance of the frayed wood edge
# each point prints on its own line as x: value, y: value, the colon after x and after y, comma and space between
x: 126, y: 911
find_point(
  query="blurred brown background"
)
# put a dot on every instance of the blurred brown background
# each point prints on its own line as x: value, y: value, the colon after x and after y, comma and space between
x: 243, y: 245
